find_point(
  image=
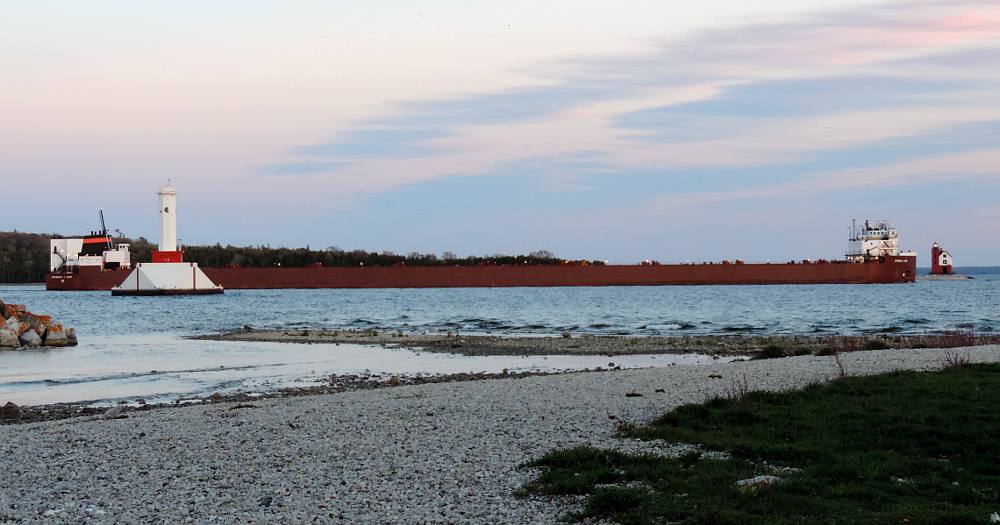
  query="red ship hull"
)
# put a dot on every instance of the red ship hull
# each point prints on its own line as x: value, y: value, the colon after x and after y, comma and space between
x: 85, y: 279
x: 901, y: 269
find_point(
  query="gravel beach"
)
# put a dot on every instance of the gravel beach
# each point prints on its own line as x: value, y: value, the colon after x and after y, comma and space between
x: 431, y: 453
x: 610, y: 345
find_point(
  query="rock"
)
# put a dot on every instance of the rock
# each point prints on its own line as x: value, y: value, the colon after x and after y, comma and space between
x: 35, y: 322
x: 71, y: 336
x: 10, y: 412
x: 3, y: 310
x: 116, y: 412
x: 9, y: 339
x: 13, y: 323
x: 31, y: 338
x: 56, y: 336
x: 15, y: 310
x: 757, y: 482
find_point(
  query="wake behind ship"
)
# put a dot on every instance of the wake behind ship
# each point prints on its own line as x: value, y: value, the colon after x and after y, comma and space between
x: 95, y: 262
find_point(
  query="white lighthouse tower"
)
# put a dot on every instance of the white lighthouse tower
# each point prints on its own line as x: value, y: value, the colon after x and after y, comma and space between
x: 168, y: 252
x: 168, y: 274
x: 168, y: 218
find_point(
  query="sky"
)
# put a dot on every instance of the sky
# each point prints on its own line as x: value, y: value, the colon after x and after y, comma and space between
x: 614, y: 130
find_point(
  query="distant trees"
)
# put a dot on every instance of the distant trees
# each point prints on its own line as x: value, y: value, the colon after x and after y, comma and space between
x: 24, y: 257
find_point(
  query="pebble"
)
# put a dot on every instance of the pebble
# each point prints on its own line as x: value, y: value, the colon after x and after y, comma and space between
x: 371, y: 456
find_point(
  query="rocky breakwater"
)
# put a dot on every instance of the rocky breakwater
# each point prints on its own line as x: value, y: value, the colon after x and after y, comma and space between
x: 20, y: 328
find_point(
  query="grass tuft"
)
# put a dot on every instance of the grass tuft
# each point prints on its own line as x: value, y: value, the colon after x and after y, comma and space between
x: 841, y: 367
x: 954, y: 359
x: 738, y: 388
x: 771, y: 351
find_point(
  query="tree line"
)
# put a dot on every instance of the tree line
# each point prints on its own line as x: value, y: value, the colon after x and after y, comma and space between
x: 24, y: 257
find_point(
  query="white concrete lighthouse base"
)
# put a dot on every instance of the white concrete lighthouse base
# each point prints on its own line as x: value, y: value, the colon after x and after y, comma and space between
x: 166, y: 279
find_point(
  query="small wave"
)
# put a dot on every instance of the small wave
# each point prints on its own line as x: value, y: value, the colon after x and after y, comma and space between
x: 599, y: 326
x: 890, y: 330
x: 743, y: 328
x: 487, y: 324
x: 917, y: 321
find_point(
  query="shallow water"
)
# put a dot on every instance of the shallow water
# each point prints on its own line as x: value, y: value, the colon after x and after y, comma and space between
x: 162, y: 368
x: 124, y: 339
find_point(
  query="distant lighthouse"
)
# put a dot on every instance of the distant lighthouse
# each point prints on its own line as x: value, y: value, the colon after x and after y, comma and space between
x: 168, y: 274
x: 941, y: 261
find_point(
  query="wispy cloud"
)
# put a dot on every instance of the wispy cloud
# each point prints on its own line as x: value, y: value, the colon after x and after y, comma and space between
x: 300, y: 168
x: 754, y: 95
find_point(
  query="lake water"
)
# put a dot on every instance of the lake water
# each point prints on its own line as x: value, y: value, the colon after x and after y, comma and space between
x: 132, y: 347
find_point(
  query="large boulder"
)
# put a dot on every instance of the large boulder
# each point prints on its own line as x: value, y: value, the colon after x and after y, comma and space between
x: 9, y: 339
x: 56, y: 336
x: 38, y: 323
x: 10, y: 412
x: 14, y: 310
x: 31, y: 338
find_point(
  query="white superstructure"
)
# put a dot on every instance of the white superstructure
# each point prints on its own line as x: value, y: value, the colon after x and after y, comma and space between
x: 168, y: 218
x: 94, y: 250
x: 873, y: 240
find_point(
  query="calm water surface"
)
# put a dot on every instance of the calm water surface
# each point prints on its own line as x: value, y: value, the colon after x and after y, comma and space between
x: 133, y: 346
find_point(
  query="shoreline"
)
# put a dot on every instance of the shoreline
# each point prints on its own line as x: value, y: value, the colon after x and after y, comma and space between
x: 739, y: 346
x: 609, y: 345
x: 432, y: 453
x: 337, y: 384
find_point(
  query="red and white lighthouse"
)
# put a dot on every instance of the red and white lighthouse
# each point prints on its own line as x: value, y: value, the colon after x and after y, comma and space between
x: 941, y: 262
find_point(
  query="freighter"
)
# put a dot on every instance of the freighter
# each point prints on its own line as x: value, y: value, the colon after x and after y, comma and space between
x: 94, y: 262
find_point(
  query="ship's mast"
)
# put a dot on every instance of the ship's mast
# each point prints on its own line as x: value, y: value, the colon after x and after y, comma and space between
x: 104, y: 229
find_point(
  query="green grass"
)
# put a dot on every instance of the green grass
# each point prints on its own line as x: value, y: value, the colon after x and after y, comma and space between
x: 907, y: 447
